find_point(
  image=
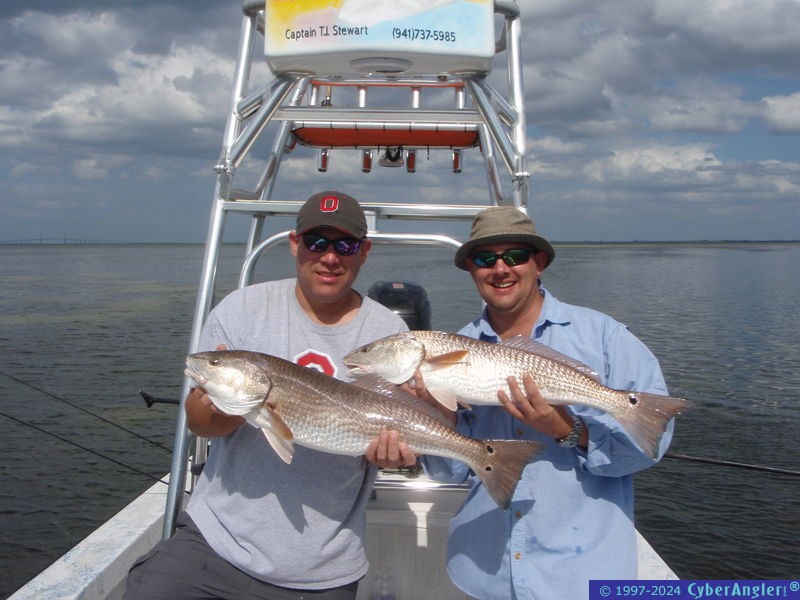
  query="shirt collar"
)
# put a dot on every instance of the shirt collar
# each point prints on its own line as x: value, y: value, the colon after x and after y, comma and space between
x: 553, y: 313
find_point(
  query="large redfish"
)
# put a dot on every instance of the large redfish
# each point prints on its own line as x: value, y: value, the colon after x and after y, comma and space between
x: 460, y: 369
x: 294, y: 404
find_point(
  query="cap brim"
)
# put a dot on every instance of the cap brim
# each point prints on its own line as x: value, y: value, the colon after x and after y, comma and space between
x: 328, y: 226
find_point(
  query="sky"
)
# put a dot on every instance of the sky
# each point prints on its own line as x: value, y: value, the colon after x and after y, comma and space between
x: 646, y: 120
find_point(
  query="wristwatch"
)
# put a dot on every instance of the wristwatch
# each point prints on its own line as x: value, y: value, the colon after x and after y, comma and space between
x: 573, y: 438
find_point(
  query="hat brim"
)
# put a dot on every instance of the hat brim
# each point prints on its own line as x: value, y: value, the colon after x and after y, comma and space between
x: 329, y: 226
x: 537, y: 242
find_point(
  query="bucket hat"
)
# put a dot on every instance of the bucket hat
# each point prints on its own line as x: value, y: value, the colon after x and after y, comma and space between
x: 501, y: 225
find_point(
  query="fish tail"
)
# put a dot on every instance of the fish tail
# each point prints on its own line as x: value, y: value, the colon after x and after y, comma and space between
x: 501, y: 465
x: 648, y: 421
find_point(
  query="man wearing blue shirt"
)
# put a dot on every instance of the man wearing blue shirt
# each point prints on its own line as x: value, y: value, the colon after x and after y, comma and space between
x: 571, y: 517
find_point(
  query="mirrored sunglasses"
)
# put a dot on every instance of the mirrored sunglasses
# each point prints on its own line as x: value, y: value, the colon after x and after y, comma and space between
x: 343, y: 247
x: 512, y: 257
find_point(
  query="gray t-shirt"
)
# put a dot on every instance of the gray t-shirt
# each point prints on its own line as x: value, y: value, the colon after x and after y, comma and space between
x: 299, y: 525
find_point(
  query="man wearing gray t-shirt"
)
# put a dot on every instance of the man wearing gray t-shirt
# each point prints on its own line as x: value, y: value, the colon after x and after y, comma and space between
x: 256, y: 527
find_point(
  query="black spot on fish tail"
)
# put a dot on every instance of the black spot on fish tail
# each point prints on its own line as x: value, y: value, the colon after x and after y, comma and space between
x: 648, y: 418
x: 501, y: 467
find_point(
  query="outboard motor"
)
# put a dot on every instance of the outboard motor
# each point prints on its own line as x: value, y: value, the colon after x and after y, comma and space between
x: 408, y: 300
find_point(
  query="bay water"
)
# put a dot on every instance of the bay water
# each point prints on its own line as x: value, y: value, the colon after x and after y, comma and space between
x: 84, y: 328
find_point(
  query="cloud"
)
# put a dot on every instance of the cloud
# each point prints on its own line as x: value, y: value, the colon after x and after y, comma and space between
x: 656, y: 165
x: 782, y: 113
x: 719, y: 35
x: 701, y: 105
x: 631, y: 106
x: 121, y: 97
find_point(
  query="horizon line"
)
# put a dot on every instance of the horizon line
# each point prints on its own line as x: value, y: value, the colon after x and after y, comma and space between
x: 90, y: 242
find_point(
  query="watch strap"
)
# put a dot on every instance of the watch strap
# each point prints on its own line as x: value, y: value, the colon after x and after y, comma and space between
x: 573, y: 438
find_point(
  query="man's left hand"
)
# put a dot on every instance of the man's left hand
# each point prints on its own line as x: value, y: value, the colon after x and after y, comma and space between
x: 388, y: 452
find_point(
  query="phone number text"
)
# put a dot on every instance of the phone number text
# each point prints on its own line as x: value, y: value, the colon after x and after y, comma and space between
x: 413, y: 33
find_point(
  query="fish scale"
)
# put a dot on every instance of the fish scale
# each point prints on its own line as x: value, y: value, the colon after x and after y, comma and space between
x: 459, y: 369
x: 558, y: 383
x: 294, y: 404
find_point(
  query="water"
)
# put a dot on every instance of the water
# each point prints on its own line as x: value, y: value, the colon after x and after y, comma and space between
x: 95, y: 324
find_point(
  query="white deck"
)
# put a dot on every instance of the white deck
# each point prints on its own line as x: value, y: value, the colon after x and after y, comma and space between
x: 407, y: 531
x: 97, y: 567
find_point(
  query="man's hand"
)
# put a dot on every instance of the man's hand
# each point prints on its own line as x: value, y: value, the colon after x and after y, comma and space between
x: 388, y: 452
x: 204, y: 418
x: 417, y: 387
x: 529, y: 406
x: 200, y: 397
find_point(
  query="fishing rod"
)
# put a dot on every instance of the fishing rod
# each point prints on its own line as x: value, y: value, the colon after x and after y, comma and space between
x: 88, y: 412
x: 86, y: 449
x: 150, y: 400
x: 730, y: 463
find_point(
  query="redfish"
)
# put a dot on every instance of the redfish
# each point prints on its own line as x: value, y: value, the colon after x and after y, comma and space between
x: 459, y: 369
x: 297, y: 405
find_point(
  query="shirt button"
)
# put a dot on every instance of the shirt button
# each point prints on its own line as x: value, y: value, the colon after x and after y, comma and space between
x: 517, y: 555
x: 518, y: 514
x: 520, y: 432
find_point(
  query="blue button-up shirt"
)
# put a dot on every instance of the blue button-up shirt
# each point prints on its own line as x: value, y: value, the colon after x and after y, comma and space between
x: 571, y: 517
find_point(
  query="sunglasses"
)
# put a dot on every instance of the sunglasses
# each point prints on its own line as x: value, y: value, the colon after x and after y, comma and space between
x: 512, y: 257
x: 343, y: 247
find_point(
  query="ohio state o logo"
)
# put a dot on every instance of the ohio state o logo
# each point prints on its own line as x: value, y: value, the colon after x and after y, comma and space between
x: 316, y: 360
x: 329, y: 204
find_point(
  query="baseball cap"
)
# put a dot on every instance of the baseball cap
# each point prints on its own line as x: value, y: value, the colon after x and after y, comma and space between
x: 332, y: 209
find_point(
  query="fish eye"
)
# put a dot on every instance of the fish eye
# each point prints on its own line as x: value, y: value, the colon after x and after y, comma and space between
x: 215, y: 362
x: 633, y: 399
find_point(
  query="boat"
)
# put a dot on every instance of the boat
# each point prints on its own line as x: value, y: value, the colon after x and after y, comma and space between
x: 330, y: 94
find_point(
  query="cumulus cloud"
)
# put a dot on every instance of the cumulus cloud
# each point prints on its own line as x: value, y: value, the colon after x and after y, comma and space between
x: 669, y: 100
x: 656, y: 163
x: 782, y: 113
x: 592, y: 61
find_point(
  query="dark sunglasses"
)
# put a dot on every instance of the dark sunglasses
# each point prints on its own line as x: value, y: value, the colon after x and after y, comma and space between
x: 343, y: 247
x: 512, y: 257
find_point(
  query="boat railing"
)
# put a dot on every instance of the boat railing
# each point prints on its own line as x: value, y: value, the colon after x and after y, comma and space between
x: 385, y: 110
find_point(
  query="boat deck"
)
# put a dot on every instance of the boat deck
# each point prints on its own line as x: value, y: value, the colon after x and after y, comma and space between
x: 406, y: 534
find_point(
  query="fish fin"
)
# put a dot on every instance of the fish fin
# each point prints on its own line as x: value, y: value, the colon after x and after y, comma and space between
x: 526, y: 344
x: 398, y: 379
x: 283, y: 447
x: 501, y: 466
x: 403, y: 377
x: 278, y: 433
x: 448, y: 359
x: 444, y: 396
x: 648, y: 419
